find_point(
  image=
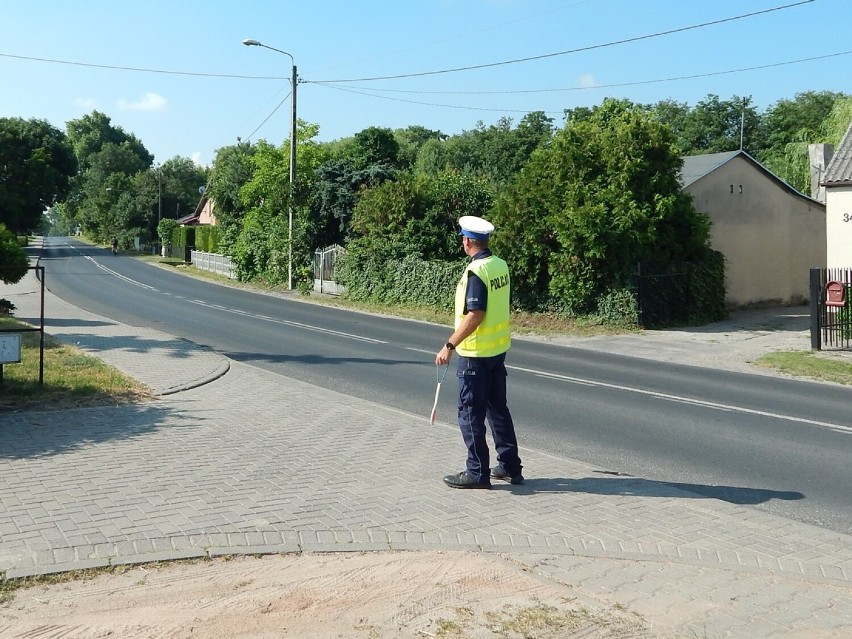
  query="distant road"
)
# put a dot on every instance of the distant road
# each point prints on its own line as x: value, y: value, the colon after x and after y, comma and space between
x: 782, y: 445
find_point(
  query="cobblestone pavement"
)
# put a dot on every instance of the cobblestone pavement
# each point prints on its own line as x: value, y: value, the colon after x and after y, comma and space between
x: 230, y: 459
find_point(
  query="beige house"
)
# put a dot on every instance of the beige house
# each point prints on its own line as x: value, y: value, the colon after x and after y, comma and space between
x: 203, y: 214
x: 838, y: 204
x: 770, y: 234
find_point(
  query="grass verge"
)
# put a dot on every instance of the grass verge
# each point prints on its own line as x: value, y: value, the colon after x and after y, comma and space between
x: 72, y: 379
x: 818, y: 366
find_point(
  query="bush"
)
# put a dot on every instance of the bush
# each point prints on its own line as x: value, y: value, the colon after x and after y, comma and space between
x: 13, y: 260
x: 410, y: 280
x: 165, y: 230
x: 619, y: 307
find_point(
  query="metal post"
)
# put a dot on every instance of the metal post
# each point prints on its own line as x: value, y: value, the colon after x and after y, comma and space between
x: 816, y: 308
x: 295, y: 82
x: 159, y: 204
x: 159, y: 196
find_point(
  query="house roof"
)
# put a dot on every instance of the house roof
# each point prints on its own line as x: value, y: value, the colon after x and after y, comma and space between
x: 188, y: 220
x: 839, y: 170
x: 696, y: 167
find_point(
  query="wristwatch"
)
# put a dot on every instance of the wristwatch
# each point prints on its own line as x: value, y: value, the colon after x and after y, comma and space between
x: 450, y: 346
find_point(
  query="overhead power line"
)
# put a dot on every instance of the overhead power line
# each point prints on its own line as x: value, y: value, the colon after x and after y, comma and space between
x: 266, y: 119
x: 142, y: 70
x: 410, y: 75
x: 432, y: 104
x: 570, y: 51
x: 613, y: 85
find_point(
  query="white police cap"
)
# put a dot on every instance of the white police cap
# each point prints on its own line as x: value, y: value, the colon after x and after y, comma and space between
x: 475, y: 228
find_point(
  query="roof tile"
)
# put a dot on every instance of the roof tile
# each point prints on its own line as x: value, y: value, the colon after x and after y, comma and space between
x: 839, y: 170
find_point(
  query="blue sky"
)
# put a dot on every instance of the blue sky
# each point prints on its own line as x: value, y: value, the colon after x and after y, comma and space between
x: 339, y: 46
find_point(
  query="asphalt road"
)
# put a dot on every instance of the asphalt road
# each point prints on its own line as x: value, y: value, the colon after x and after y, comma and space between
x: 781, y: 445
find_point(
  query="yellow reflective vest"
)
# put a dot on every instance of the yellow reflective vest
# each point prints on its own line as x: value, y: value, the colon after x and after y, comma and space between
x: 492, y: 336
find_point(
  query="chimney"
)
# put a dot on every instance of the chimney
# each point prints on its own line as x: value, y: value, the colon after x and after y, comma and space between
x: 819, y: 155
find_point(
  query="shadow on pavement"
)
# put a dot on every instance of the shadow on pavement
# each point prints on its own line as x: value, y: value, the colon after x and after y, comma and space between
x: 175, y: 347
x: 52, y: 321
x: 38, y: 434
x: 648, y: 488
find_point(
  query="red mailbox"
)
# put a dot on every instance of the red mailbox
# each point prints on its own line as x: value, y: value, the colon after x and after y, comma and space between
x: 835, y: 294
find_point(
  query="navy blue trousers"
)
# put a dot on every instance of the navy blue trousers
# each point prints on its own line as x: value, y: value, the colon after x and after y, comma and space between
x: 482, y: 395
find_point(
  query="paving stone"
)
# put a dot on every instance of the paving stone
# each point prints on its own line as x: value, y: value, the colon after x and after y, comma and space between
x: 176, y: 479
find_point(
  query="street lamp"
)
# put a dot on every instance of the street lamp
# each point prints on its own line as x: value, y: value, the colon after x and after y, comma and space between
x: 294, y: 81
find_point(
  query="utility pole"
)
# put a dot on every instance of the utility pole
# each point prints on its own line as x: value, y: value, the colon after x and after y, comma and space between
x: 294, y: 81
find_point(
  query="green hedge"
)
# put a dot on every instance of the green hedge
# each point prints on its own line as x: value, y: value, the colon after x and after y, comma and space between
x: 200, y: 238
x: 409, y: 281
x: 207, y: 239
x: 689, y: 293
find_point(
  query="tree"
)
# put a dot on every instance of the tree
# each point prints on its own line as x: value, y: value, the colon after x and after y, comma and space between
x: 232, y: 168
x: 792, y: 125
x: 335, y: 194
x: 179, y: 179
x: 417, y: 214
x: 497, y: 151
x: 375, y: 146
x: 837, y: 122
x: 799, y: 118
x: 261, y: 248
x: 91, y: 133
x: 714, y: 125
x: 411, y: 140
x: 603, y: 196
x: 36, y: 165
x: 108, y: 158
x: 104, y: 201
x: 13, y: 259
x: 673, y: 114
x: 165, y: 228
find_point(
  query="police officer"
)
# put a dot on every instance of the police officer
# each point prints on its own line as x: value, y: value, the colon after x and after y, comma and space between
x: 481, y: 339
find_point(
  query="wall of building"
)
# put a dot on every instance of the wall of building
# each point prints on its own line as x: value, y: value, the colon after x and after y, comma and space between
x: 206, y: 216
x: 839, y: 226
x: 770, y: 238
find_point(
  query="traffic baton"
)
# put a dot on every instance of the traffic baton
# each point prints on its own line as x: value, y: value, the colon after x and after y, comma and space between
x: 440, y: 378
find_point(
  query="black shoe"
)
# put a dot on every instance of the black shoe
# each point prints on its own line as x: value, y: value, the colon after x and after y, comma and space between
x: 499, y: 473
x: 465, y: 480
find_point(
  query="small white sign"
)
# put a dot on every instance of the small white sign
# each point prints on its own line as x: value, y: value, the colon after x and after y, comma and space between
x: 10, y: 348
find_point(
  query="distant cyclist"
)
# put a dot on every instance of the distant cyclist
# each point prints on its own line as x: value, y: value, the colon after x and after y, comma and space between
x: 114, y: 245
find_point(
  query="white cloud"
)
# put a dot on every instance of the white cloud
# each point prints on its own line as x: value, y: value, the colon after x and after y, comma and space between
x: 587, y: 80
x: 86, y: 103
x: 196, y: 158
x: 148, y: 102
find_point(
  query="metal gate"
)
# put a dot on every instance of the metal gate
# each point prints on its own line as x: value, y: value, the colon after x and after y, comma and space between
x: 831, y: 308
x: 325, y: 261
